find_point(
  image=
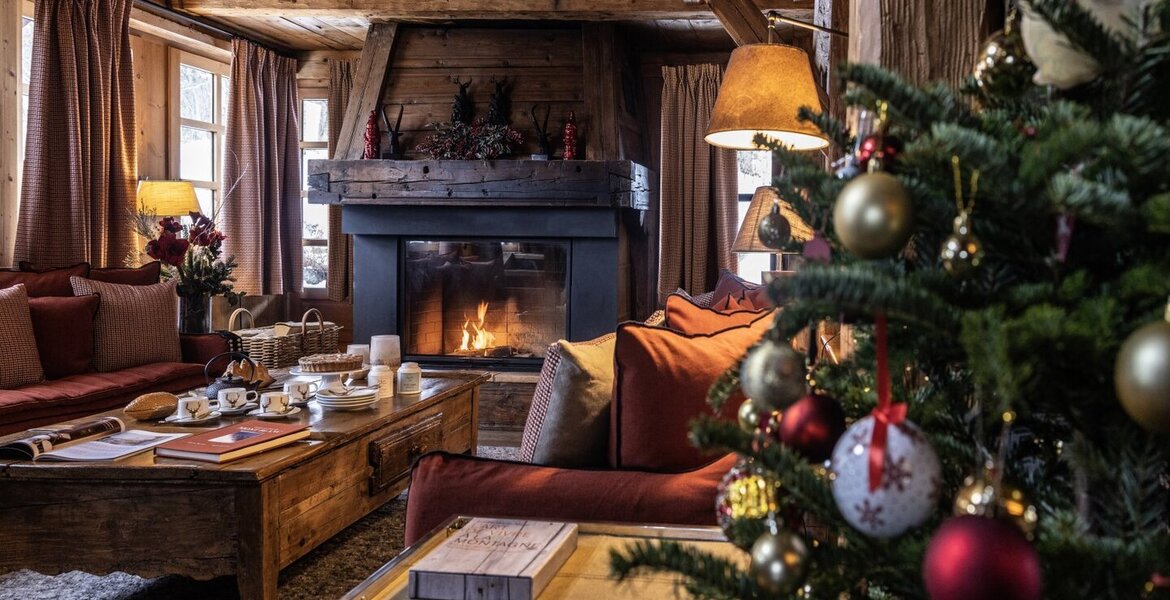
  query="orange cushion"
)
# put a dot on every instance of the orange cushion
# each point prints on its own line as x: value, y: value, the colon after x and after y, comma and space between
x: 64, y: 332
x: 147, y: 274
x: 50, y: 282
x: 686, y: 316
x: 79, y: 395
x: 661, y: 381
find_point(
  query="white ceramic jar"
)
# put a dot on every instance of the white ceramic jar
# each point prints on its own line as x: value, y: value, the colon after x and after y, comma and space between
x: 382, y: 377
x: 409, y: 379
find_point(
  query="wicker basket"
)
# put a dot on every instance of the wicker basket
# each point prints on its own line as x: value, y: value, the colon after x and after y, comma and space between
x: 276, y: 351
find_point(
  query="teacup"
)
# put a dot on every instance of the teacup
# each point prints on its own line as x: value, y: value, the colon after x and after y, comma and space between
x: 193, y: 407
x: 300, y: 390
x: 235, y: 398
x: 274, y: 402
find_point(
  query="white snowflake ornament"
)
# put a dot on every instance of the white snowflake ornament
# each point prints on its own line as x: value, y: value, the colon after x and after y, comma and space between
x: 910, y: 483
x: 1060, y: 64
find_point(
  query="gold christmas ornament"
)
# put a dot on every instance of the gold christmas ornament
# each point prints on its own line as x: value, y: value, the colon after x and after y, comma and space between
x: 1003, y: 68
x: 745, y: 492
x: 779, y: 561
x: 873, y: 215
x: 1142, y: 376
x: 772, y: 376
x: 962, y: 252
x: 749, y: 417
x: 981, y: 497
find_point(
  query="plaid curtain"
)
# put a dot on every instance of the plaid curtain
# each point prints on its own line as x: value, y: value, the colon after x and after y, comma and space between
x: 81, y: 161
x: 262, y: 172
x: 340, y: 280
x: 698, y: 186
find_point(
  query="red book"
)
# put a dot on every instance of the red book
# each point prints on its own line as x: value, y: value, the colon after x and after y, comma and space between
x: 234, y: 441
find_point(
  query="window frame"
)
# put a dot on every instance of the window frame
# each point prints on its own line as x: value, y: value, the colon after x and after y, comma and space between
x: 217, y: 127
x: 27, y: 13
x: 311, y: 93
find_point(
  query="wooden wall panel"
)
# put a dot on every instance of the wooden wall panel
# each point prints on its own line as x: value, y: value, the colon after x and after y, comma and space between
x: 922, y: 40
x: 543, y: 65
x: 150, y: 105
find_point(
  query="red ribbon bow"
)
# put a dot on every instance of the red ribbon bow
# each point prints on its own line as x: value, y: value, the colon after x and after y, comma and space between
x: 886, y: 413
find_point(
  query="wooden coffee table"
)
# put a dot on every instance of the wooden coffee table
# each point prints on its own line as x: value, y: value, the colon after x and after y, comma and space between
x: 585, y: 576
x: 154, y: 516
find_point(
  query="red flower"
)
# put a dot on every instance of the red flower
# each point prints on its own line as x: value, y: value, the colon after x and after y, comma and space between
x: 170, y: 224
x: 203, y: 231
x: 168, y: 248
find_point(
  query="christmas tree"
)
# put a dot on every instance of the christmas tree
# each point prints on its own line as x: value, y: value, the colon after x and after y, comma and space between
x: 1008, y: 394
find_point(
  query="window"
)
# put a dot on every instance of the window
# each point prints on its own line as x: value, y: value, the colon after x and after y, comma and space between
x: 26, y: 42
x: 198, y: 122
x: 314, y: 217
x: 755, y: 170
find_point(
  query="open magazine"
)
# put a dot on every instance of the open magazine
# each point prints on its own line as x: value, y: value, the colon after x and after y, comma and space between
x: 101, y: 439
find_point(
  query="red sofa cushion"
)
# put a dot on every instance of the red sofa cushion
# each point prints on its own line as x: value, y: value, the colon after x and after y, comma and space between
x: 50, y: 282
x: 88, y: 393
x: 147, y: 274
x: 64, y: 331
x: 684, y: 315
x: 661, y: 379
x: 443, y: 485
x: 747, y: 294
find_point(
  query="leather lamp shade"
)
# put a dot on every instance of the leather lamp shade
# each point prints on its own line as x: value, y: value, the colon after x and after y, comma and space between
x: 748, y: 238
x: 167, y: 198
x: 763, y: 89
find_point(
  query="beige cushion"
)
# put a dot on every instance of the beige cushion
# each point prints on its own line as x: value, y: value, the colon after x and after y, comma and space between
x: 575, y: 432
x: 21, y: 364
x: 135, y: 325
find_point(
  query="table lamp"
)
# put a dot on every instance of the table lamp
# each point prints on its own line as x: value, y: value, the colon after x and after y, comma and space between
x: 764, y: 201
x: 167, y: 198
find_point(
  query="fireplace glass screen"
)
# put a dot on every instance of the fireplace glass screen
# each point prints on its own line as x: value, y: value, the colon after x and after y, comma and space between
x: 483, y: 298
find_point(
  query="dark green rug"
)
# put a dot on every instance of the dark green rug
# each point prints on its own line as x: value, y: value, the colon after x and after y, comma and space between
x: 329, y: 571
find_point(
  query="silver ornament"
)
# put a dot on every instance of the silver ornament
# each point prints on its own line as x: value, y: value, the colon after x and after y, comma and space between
x: 779, y: 561
x: 873, y: 215
x: 772, y: 376
x: 748, y: 416
x: 962, y: 252
x: 1142, y: 376
x: 774, y: 230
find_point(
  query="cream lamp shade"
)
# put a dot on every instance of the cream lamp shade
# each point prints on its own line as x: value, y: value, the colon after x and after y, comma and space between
x: 763, y: 89
x: 748, y: 238
x: 167, y: 198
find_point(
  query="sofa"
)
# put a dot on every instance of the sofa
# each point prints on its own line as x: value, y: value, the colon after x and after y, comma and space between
x: 80, y: 390
x: 644, y: 469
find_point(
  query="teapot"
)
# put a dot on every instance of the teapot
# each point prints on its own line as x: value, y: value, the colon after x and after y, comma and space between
x: 228, y: 379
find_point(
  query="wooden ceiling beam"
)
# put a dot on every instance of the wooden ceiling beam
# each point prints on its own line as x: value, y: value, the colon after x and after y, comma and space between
x: 409, y: 10
x: 744, y: 20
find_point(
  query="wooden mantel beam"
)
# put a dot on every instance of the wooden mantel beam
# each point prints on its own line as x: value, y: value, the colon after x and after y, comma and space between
x: 410, y: 10
x: 743, y: 19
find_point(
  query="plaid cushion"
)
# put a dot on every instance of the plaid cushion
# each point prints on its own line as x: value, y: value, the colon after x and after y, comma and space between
x: 21, y: 365
x: 135, y: 325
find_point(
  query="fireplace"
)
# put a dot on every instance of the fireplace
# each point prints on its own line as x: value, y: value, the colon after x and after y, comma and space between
x: 484, y: 264
x: 483, y: 298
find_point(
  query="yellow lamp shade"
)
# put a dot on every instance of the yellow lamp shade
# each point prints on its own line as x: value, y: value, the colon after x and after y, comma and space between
x: 748, y: 238
x: 763, y: 89
x: 167, y: 198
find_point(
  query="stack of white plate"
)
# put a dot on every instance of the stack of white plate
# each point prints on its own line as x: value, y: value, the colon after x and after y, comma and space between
x: 355, y: 399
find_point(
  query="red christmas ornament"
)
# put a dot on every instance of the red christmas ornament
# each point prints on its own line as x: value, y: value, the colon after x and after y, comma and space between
x: 889, y: 145
x: 811, y: 426
x: 977, y: 558
x: 372, y: 137
x: 570, y: 136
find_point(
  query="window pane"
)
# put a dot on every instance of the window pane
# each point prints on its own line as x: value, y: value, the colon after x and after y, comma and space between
x: 196, y: 154
x: 206, y: 201
x: 755, y: 169
x: 316, y: 266
x: 196, y: 94
x: 224, y: 92
x: 308, y: 154
x: 26, y: 40
x: 315, y: 126
x: 315, y: 220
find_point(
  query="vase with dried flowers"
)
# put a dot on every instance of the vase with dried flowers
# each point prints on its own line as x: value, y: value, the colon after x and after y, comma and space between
x: 192, y: 255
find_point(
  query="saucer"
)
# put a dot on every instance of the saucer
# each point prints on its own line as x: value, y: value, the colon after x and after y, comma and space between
x: 239, y: 411
x: 175, y: 420
x: 271, y: 416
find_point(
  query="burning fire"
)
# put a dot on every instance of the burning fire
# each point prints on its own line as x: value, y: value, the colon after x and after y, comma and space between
x: 475, y: 336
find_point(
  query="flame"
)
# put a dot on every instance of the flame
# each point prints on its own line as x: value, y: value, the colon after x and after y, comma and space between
x: 475, y: 336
